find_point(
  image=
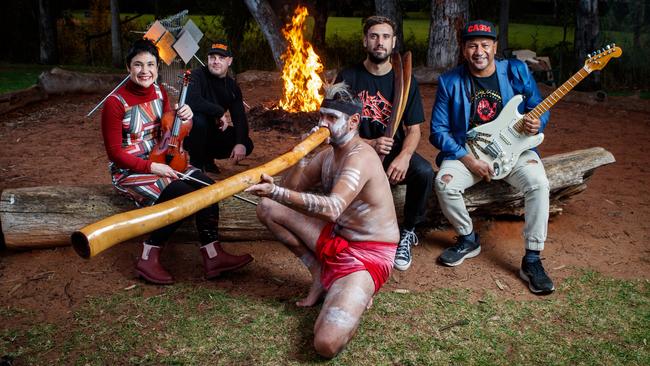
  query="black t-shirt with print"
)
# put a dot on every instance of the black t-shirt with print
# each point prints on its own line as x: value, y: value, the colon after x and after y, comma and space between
x: 485, y: 99
x: 376, y: 93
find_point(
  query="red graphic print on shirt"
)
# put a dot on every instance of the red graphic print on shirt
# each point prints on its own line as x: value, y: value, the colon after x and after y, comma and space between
x: 376, y: 108
x: 486, y: 110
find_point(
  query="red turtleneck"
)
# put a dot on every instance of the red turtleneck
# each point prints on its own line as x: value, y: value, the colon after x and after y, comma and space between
x: 112, y: 116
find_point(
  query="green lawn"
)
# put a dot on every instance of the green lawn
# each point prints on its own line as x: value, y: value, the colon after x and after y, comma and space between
x: 15, y: 77
x: 591, y: 319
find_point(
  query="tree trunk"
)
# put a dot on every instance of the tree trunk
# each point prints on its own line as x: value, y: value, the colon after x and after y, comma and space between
x: 638, y: 8
x: 504, y: 19
x: 391, y: 9
x: 47, y: 32
x: 587, y: 39
x: 116, y: 37
x: 270, y: 26
x: 447, y: 20
x: 41, y: 217
x: 318, y: 10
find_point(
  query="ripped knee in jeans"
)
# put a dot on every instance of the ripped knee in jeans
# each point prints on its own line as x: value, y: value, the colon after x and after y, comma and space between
x: 447, y: 178
x: 532, y: 161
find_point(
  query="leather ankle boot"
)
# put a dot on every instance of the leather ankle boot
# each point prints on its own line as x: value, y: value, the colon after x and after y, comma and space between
x: 216, y: 260
x: 149, y: 268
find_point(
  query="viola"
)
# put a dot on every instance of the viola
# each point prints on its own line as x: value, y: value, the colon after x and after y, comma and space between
x: 169, y: 149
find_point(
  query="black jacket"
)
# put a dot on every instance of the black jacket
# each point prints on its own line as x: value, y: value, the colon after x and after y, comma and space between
x: 213, y: 96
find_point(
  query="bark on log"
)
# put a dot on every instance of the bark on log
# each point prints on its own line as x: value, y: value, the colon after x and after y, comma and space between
x: 21, y: 98
x: 41, y: 217
x: 59, y: 81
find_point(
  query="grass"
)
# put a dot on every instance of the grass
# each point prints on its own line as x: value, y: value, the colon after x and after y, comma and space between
x: 15, y: 77
x: 591, y: 319
x: 20, y: 76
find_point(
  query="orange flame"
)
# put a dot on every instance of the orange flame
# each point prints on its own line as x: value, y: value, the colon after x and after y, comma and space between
x: 301, y: 67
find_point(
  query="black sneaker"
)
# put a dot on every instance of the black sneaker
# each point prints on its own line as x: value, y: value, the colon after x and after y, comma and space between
x: 464, y: 248
x: 403, y: 254
x: 538, y: 281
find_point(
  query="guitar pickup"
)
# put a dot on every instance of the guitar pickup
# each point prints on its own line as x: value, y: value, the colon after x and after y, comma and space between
x: 505, y: 140
x: 494, y: 150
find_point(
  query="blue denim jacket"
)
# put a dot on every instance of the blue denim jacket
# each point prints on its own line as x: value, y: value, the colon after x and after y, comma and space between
x: 451, y: 110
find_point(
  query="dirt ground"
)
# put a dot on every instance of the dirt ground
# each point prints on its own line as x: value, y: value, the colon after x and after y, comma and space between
x: 604, y: 228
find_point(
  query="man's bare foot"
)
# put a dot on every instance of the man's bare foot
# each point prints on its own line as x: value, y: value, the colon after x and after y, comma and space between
x: 315, y: 294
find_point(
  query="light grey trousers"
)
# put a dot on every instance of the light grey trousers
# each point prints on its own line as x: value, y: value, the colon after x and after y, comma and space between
x: 528, y: 176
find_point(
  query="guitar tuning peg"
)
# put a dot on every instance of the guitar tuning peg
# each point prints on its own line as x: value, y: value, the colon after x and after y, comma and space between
x: 589, y: 55
x: 613, y: 45
x: 608, y: 47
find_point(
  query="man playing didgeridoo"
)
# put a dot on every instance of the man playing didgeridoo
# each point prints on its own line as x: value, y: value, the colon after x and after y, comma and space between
x: 347, y: 235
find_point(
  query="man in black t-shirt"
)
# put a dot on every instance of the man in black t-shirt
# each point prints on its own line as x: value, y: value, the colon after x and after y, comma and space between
x: 373, y: 81
x: 220, y: 128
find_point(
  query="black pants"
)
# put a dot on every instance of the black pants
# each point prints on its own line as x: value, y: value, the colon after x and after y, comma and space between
x: 207, y: 220
x: 206, y: 141
x: 419, y: 184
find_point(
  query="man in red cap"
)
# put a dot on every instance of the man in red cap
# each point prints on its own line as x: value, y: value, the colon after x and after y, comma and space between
x: 220, y: 128
x: 470, y: 95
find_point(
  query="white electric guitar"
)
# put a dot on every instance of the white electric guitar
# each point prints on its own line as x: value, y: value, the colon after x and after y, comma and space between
x: 501, y: 142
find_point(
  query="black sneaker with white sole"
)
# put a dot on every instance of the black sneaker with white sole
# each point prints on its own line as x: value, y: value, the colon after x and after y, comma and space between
x: 464, y: 248
x: 539, y: 282
x: 403, y: 258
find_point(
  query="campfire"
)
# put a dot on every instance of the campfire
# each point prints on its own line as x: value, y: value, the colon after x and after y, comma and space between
x: 297, y: 109
x: 302, y: 65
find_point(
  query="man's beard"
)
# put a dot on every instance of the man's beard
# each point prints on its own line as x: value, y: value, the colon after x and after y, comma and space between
x: 378, y: 60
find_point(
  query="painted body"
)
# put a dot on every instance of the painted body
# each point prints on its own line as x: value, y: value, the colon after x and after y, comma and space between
x: 356, y: 197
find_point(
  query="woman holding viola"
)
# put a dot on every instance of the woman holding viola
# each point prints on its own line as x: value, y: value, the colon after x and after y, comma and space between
x: 131, y: 127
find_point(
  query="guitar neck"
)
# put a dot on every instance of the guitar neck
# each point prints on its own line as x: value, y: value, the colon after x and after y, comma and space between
x: 554, y: 97
x: 560, y: 92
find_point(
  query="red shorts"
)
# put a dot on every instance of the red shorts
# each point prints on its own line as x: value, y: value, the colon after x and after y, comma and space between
x: 339, y: 258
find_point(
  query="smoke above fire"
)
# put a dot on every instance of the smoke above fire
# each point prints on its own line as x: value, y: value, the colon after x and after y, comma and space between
x: 302, y: 84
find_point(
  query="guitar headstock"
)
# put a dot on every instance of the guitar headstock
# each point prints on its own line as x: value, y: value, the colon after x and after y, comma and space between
x: 598, y: 59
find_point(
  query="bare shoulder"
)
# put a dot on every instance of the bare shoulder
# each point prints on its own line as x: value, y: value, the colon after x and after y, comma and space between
x: 363, y: 157
x: 362, y: 152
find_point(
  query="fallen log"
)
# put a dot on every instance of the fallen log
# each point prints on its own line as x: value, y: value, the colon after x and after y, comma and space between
x: 42, y: 217
x: 60, y: 81
x: 18, y: 99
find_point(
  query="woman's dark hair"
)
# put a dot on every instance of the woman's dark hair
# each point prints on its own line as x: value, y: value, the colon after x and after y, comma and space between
x: 140, y: 46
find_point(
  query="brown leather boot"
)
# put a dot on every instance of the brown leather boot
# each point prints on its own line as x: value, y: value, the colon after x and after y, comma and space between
x: 149, y: 268
x: 217, y: 260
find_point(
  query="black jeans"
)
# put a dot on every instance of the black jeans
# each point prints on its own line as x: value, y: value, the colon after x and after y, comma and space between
x: 419, y: 184
x: 206, y: 141
x: 207, y: 220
